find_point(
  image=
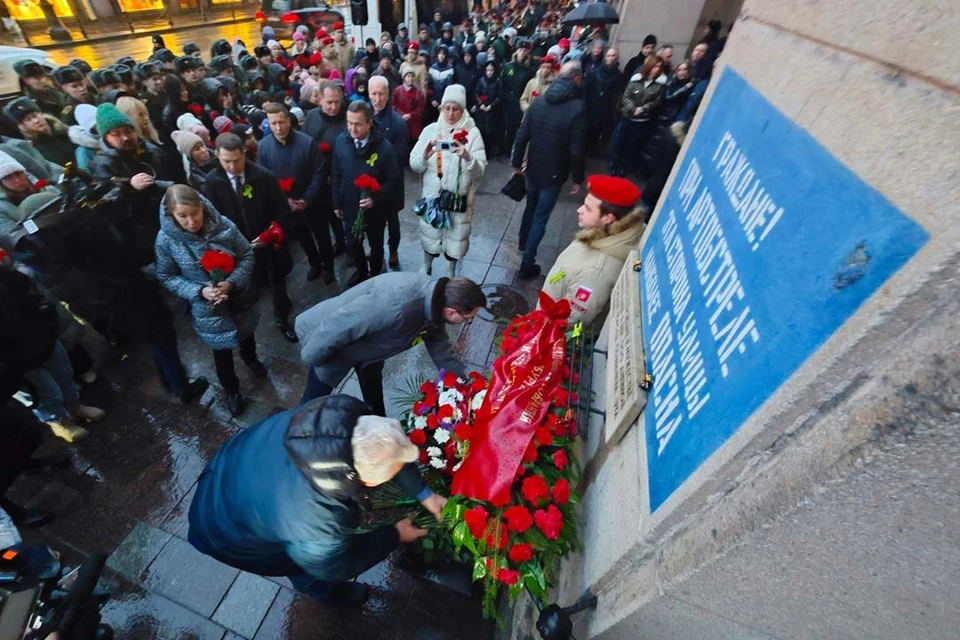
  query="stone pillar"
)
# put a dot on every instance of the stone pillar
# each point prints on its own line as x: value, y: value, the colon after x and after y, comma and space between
x: 815, y: 496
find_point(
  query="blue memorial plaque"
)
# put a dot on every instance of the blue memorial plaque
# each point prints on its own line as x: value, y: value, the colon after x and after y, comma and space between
x: 766, y: 244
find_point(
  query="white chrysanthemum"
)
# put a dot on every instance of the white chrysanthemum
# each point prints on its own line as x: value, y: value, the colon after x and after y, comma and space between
x: 450, y: 396
x: 478, y: 400
x: 434, y: 452
x: 441, y: 436
x: 420, y: 422
x: 437, y: 463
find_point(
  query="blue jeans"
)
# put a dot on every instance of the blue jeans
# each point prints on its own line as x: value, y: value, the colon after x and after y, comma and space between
x: 54, y: 386
x: 540, y: 204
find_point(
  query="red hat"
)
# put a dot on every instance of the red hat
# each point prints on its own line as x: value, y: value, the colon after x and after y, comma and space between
x: 315, y: 58
x: 564, y: 43
x: 337, y: 26
x: 321, y: 34
x: 326, y: 42
x: 618, y: 192
x: 548, y: 59
x: 413, y: 45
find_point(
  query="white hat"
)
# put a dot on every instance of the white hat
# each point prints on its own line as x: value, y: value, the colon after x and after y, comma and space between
x: 455, y: 93
x: 479, y: 35
x: 86, y: 117
x: 188, y: 120
x: 273, y: 43
x: 8, y: 165
x: 297, y: 112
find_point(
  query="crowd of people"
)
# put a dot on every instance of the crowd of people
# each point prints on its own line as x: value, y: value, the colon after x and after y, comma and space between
x: 214, y: 165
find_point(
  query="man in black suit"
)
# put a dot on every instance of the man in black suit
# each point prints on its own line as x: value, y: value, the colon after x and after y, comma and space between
x: 251, y: 197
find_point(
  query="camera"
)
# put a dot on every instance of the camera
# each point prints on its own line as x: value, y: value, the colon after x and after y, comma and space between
x: 39, y: 598
x: 445, y: 145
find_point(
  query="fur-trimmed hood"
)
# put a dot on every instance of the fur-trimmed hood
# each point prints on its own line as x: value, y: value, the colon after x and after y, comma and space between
x: 56, y: 128
x: 619, y: 238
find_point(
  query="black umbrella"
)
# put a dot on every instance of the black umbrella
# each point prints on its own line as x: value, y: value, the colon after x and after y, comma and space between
x: 592, y: 13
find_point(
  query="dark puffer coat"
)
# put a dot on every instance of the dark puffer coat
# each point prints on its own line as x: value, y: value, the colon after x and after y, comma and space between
x: 553, y: 127
x: 283, y: 497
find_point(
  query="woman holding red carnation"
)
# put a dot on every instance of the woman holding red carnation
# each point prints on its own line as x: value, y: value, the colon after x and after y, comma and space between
x: 203, y: 258
x: 451, y: 157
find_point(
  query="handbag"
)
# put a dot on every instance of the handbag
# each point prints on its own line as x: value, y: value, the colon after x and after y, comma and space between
x: 450, y: 201
x: 516, y: 188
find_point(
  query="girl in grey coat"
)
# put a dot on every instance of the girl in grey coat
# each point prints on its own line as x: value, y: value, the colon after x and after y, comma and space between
x: 224, y: 315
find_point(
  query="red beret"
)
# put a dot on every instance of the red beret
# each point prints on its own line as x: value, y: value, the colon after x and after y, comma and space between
x: 337, y: 25
x: 327, y: 41
x: 618, y: 192
x: 548, y: 59
x: 315, y: 58
x: 413, y: 45
x: 564, y: 43
x: 321, y: 34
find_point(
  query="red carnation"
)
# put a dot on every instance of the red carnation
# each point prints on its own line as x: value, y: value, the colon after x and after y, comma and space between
x: 560, y: 459
x: 424, y: 458
x: 521, y: 552
x: 508, y: 576
x: 366, y: 182
x: 427, y: 387
x: 433, y: 421
x: 462, y: 431
x: 518, y: 519
x: 544, y: 436
x: 218, y: 264
x: 325, y: 147
x: 418, y: 437
x: 195, y: 109
x: 530, y: 454
x: 450, y: 380
x: 477, y: 381
x: 445, y: 412
x: 460, y: 136
x: 40, y: 184
x: 286, y: 184
x: 549, y: 522
x: 476, y: 520
x: 561, y: 491
x: 500, y: 542
x: 272, y: 236
x: 534, y: 489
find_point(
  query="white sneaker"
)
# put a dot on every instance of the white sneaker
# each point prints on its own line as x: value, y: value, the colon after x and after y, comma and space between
x: 88, y: 414
x: 67, y: 430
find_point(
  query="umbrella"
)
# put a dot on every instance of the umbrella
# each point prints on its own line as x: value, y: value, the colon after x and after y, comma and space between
x: 592, y: 13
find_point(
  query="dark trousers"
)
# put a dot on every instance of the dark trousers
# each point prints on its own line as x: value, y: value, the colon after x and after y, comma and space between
x: 276, y: 281
x: 373, y: 227
x: 163, y: 345
x: 321, y: 589
x: 540, y: 204
x: 318, y: 220
x: 223, y: 361
x: 624, y: 155
x: 510, y: 136
x: 371, y: 386
x: 393, y: 230
x: 304, y: 235
x: 21, y: 433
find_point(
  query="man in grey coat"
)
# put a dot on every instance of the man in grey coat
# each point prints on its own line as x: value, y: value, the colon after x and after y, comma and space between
x: 377, y: 319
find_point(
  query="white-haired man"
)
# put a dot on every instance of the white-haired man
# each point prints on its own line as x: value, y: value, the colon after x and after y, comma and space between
x: 283, y: 498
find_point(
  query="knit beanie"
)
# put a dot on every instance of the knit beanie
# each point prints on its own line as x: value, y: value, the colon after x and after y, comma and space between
x: 272, y: 44
x: 457, y: 94
x: 109, y: 117
x: 8, y: 165
x: 187, y: 120
x: 298, y: 36
x: 185, y: 141
x: 222, y: 124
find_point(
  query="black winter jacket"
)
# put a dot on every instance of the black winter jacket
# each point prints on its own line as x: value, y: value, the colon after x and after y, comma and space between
x: 377, y: 159
x: 553, y: 129
x: 283, y: 497
x: 298, y: 159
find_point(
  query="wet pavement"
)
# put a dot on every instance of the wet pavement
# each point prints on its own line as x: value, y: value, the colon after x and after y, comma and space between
x: 131, y: 482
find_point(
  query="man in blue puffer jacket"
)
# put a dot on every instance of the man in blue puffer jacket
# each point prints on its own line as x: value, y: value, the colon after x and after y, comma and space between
x: 283, y: 498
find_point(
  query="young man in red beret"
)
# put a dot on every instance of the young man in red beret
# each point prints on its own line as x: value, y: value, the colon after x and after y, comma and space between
x: 345, y: 49
x: 610, y: 227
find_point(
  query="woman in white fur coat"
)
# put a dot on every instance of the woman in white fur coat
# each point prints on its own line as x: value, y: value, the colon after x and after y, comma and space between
x: 458, y: 170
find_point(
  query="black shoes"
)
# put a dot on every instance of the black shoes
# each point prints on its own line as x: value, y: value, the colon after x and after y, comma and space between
x: 348, y: 593
x: 195, y: 389
x: 394, y: 260
x: 287, y: 332
x: 528, y: 271
x: 235, y: 404
x: 256, y: 368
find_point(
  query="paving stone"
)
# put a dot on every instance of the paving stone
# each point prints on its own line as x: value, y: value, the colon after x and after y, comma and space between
x: 136, y: 613
x: 188, y: 577
x: 138, y: 550
x: 246, y: 604
x: 294, y: 616
x: 177, y: 522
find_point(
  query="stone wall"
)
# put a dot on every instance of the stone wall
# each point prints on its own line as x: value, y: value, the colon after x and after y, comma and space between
x: 832, y: 510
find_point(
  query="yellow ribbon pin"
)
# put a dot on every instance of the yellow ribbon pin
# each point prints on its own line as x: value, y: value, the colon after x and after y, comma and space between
x: 557, y: 278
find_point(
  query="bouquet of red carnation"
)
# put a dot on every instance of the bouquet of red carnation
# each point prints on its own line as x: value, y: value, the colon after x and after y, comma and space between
x: 325, y: 147
x: 461, y: 136
x: 272, y: 236
x: 286, y: 184
x: 218, y: 264
x: 368, y: 185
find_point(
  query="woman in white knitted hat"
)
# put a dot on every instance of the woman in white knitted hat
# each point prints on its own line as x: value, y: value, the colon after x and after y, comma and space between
x: 450, y: 155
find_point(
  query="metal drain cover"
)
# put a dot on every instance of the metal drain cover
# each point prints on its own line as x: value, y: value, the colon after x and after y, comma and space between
x: 503, y: 303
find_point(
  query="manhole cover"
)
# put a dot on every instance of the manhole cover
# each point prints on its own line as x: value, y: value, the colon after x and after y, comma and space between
x: 503, y: 303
